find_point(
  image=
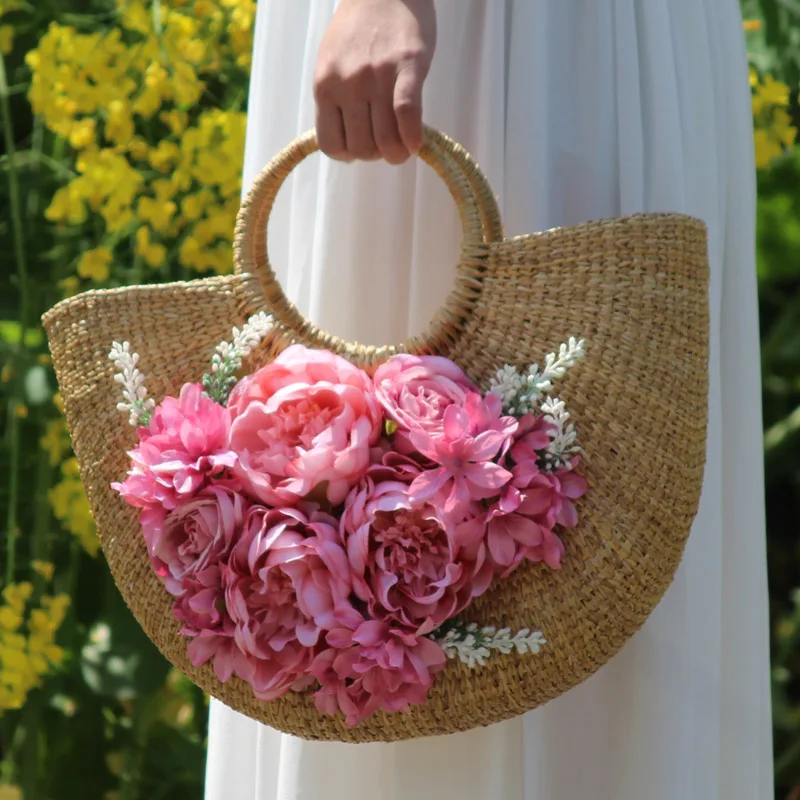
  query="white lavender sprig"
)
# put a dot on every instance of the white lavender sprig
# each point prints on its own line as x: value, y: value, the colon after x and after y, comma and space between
x: 136, y: 404
x: 473, y: 645
x: 521, y: 394
x: 562, y: 448
x: 229, y: 356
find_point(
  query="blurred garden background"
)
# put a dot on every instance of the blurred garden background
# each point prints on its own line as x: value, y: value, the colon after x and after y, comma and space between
x: 121, y: 141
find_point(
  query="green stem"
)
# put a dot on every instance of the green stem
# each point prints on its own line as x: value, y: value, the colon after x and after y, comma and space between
x: 14, y: 196
x: 22, y: 280
x: 29, y: 757
x: 129, y: 783
x: 41, y: 516
x: 13, y: 489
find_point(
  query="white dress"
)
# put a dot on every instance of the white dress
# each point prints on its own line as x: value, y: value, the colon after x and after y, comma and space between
x: 576, y: 110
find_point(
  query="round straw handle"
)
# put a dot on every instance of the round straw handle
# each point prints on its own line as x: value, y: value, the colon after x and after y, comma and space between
x: 481, y: 225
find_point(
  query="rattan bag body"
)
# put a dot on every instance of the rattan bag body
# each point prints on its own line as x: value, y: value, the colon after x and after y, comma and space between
x: 634, y: 288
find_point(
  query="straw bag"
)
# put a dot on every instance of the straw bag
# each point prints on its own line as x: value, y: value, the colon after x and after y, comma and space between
x: 634, y: 288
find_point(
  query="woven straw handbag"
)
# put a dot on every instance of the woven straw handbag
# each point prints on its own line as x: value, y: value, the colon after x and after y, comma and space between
x: 635, y: 288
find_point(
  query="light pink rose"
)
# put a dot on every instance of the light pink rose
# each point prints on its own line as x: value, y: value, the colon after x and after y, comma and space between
x: 464, y: 450
x: 375, y: 667
x: 415, y: 391
x: 287, y: 580
x: 185, y: 444
x: 408, y: 565
x: 308, y: 418
x: 193, y: 536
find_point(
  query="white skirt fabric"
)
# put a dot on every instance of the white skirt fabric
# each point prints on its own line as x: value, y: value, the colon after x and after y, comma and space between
x: 576, y: 110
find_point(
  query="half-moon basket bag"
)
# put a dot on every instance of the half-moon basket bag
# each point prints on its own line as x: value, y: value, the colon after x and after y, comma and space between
x: 633, y: 290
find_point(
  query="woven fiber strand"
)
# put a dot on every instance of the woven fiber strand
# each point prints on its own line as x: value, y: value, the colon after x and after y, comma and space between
x: 635, y: 288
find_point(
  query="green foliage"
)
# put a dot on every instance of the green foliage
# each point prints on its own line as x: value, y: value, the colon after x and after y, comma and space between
x: 779, y: 289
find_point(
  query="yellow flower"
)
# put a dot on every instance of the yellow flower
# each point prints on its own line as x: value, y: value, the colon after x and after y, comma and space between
x: 17, y: 594
x: 773, y: 129
x: 10, y: 620
x: 186, y: 86
x: 95, y: 264
x: 55, y: 440
x: 6, y: 43
x: 139, y: 148
x: 14, y: 660
x: 154, y: 254
x: 83, y: 134
x: 158, y: 214
x: 40, y: 623
x: 9, y: 792
x: 56, y: 606
x: 165, y: 189
x: 766, y: 148
x: 21, y: 410
x: 164, y: 155
x: 752, y: 25
x: 782, y: 127
x: 66, y: 206
x: 134, y: 16
x: 119, y: 122
x: 148, y: 102
x: 204, y: 8
x: 71, y: 507
x: 176, y: 120
x: 43, y: 568
x: 69, y: 286
x: 192, y: 206
x: 54, y: 654
x: 774, y: 92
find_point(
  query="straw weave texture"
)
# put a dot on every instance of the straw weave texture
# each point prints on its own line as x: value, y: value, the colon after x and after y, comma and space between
x: 635, y: 288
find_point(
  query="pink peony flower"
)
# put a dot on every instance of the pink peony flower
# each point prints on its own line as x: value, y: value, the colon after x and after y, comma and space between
x: 415, y: 391
x: 471, y: 437
x: 202, y: 609
x: 193, y: 536
x: 408, y: 566
x: 375, y: 667
x: 287, y: 579
x: 306, y: 419
x: 185, y: 444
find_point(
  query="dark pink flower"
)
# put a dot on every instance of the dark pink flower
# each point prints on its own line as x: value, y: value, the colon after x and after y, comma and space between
x: 375, y: 667
x: 287, y: 580
x: 549, y: 496
x: 310, y: 418
x: 464, y: 450
x: 185, y: 444
x: 408, y: 564
x: 520, y: 523
x: 415, y: 391
x: 531, y: 438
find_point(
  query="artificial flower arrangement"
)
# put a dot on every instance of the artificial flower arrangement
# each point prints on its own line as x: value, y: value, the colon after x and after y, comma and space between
x: 323, y: 530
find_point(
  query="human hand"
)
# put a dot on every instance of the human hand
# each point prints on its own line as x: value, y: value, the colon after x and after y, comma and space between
x: 372, y: 62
